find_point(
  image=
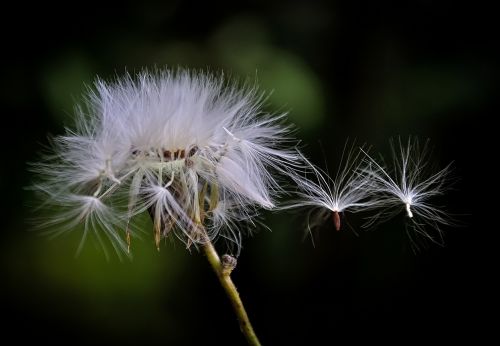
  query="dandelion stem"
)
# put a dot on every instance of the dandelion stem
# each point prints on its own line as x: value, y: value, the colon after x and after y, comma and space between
x: 232, y: 293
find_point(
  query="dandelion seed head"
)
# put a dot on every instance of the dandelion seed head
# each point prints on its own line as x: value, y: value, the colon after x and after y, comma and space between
x: 186, y: 146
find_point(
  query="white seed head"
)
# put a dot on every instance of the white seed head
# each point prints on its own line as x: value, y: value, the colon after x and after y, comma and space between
x: 186, y: 146
x: 410, y: 184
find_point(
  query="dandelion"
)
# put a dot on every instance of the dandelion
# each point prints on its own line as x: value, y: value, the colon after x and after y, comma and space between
x: 411, y: 185
x: 195, y: 152
x: 349, y: 190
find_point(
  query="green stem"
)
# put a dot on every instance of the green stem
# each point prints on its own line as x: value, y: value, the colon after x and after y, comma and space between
x: 232, y: 293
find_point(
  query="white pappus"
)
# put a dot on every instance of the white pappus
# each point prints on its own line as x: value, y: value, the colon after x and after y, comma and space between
x: 410, y: 185
x: 196, y: 152
x: 350, y: 189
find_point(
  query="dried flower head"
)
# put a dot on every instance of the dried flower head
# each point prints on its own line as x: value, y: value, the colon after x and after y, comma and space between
x: 197, y: 153
x: 410, y: 184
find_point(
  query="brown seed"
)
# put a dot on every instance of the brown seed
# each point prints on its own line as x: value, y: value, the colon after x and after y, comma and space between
x: 336, y: 220
x: 192, y: 151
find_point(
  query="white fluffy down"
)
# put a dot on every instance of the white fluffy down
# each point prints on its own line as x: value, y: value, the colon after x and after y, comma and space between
x: 182, y: 145
x: 411, y: 185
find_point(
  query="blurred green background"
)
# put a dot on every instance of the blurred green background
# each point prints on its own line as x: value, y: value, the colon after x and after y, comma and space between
x: 341, y: 69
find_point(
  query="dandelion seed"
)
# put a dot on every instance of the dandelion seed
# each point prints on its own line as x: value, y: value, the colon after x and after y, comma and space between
x: 409, y: 184
x: 189, y: 148
x: 349, y: 190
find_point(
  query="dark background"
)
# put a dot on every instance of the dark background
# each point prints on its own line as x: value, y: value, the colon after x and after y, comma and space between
x: 342, y: 69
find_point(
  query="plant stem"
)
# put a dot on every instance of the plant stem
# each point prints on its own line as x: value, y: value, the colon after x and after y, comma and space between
x: 232, y: 293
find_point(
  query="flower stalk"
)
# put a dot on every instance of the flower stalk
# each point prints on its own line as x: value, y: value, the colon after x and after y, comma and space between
x: 224, y: 274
